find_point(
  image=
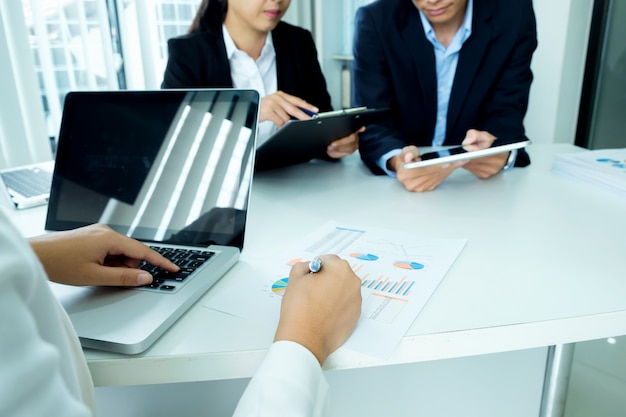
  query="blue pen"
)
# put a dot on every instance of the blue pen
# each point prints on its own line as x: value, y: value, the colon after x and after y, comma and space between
x: 309, y: 112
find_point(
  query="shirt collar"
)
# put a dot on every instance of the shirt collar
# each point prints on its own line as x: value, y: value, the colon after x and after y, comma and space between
x: 231, y: 48
x: 466, y: 26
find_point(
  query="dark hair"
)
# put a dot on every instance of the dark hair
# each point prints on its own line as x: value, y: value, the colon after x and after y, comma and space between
x: 210, y: 16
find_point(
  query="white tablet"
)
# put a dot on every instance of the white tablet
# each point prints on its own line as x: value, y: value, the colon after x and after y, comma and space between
x: 446, y: 156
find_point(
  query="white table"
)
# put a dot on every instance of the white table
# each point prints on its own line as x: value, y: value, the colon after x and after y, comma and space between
x: 544, y: 266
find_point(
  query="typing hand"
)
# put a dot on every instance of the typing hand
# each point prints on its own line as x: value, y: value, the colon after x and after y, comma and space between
x: 96, y: 255
x: 320, y: 310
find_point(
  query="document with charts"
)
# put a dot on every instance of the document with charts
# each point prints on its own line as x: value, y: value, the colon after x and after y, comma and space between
x: 399, y: 272
x: 604, y: 168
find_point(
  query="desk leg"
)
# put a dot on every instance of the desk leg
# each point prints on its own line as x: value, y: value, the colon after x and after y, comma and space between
x: 556, y: 382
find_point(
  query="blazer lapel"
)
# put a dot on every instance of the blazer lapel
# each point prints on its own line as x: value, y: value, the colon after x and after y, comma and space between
x: 283, y: 78
x: 219, y: 68
x: 421, y: 51
x: 470, y: 57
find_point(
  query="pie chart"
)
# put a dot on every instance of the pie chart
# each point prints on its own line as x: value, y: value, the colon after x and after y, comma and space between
x: 364, y: 256
x: 279, y: 286
x: 408, y: 265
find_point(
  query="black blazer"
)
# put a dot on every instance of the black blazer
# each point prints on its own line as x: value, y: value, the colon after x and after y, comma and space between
x: 394, y: 66
x: 199, y: 60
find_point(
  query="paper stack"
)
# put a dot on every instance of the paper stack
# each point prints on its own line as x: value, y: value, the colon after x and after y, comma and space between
x: 601, y: 167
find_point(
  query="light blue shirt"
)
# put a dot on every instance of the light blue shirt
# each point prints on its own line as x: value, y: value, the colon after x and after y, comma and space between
x: 446, y: 60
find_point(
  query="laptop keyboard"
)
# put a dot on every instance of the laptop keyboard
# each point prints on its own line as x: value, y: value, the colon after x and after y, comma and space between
x: 29, y: 182
x: 188, y: 260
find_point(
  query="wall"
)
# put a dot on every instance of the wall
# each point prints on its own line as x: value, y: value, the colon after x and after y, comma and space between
x: 558, y: 65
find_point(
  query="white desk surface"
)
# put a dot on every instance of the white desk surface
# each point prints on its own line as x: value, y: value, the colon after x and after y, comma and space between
x: 545, y: 264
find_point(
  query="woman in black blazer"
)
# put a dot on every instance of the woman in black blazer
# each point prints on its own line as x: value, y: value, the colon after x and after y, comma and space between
x: 199, y: 59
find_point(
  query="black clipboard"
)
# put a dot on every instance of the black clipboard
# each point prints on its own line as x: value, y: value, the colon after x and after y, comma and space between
x: 299, y: 141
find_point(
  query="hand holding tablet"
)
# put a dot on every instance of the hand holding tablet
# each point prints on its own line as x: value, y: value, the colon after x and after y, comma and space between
x: 460, y: 153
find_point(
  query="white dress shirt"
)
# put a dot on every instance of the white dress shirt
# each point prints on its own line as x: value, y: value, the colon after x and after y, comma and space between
x: 289, y: 383
x: 259, y: 75
x: 42, y: 368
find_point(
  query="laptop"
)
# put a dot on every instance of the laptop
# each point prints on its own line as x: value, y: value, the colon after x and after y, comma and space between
x: 28, y: 185
x: 171, y: 168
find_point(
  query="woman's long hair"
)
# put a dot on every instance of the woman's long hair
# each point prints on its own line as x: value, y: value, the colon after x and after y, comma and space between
x: 210, y: 16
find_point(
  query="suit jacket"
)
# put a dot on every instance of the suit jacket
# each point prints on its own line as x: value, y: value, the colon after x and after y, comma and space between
x: 394, y: 66
x: 199, y: 60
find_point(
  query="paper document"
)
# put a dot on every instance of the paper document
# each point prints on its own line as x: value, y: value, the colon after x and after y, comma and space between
x: 602, y: 167
x: 399, y: 272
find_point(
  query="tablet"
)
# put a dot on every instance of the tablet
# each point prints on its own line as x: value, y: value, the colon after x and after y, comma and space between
x: 300, y: 141
x: 459, y: 153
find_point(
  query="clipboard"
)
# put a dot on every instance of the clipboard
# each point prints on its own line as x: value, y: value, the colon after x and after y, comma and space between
x: 299, y: 141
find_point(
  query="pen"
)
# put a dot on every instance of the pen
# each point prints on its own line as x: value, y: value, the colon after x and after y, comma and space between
x: 309, y: 112
x: 315, y: 265
x: 354, y: 110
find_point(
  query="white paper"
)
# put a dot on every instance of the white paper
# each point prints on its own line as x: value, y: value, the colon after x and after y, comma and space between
x: 399, y: 272
x: 605, y: 168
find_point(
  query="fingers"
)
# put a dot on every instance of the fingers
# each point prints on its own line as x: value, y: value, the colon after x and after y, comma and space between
x: 294, y: 105
x: 132, y: 252
x: 280, y: 107
x: 299, y: 269
x: 120, y: 277
x: 477, y: 139
x: 320, y: 310
x: 126, y: 273
x: 344, y: 146
x: 488, y: 166
x: 101, y: 257
x: 426, y: 178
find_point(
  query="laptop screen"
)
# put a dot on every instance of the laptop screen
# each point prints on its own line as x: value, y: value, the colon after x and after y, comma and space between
x: 172, y: 166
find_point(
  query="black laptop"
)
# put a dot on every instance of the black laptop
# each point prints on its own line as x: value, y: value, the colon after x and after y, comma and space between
x: 172, y: 168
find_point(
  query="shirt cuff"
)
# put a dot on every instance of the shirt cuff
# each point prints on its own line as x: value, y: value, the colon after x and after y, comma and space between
x: 510, y: 163
x: 289, y: 382
x: 382, y: 161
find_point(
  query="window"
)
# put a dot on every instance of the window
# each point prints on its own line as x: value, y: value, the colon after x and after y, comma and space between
x: 100, y: 45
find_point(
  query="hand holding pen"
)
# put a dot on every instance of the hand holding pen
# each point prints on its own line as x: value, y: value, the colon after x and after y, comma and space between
x: 280, y: 107
x: 321, y: 305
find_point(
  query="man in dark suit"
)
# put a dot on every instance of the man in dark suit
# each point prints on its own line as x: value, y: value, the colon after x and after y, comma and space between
x: 453, y: 72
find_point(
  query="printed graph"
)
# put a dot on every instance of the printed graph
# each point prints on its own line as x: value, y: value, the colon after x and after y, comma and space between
x: 279, y: 286
x: 408, y: 265
x: 364, y: 256
x: 400, y: 287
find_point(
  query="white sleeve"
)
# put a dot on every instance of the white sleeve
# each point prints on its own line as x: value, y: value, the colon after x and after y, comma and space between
x: 37, y: 373
x: 289, y: 382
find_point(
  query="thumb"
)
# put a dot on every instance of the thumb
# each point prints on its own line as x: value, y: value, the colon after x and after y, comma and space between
x: 122, y: 276
x: 410, y: 155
